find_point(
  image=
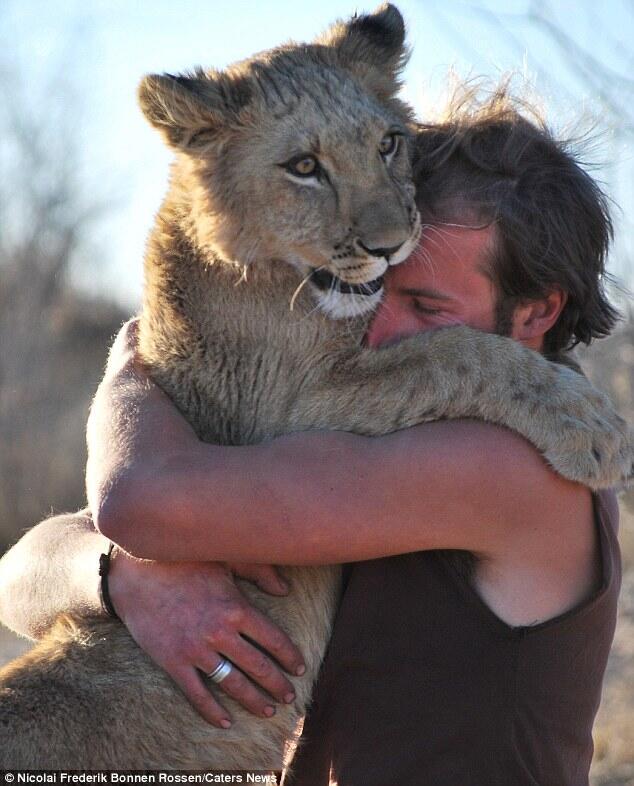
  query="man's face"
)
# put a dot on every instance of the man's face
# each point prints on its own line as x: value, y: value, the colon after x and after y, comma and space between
x: 444, y: 282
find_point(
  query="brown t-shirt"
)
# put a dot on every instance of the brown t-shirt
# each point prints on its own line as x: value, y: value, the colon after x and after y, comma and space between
x: 424, y: 685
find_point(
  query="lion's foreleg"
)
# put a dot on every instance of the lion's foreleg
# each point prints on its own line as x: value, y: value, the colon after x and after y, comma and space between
x: 460, y: 372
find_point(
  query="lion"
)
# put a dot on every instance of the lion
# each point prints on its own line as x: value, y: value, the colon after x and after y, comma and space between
x: 290, y: 195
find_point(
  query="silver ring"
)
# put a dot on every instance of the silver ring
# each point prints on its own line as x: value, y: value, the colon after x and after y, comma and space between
x: 222, y: 670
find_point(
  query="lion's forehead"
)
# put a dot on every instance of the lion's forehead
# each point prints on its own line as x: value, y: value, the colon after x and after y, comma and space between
x: 303, y: 104
x: 322, y: 92
x: 343, y: 134
x: 285, y: 78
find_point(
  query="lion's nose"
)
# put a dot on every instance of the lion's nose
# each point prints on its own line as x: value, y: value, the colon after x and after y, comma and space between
x: 381, y: 252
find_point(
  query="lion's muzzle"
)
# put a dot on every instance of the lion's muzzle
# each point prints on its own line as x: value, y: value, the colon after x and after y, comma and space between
x: 386, y: 253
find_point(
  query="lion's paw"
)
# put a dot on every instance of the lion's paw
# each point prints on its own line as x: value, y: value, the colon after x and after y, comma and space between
x: 589, y: 441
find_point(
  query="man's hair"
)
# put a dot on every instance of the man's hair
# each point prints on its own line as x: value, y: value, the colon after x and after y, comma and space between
x: 486, y: 159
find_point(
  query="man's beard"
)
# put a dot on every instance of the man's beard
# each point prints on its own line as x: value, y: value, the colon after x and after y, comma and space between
x: 504, y: 310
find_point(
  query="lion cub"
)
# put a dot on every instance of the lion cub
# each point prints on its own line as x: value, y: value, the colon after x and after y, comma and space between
x: 290, y: 196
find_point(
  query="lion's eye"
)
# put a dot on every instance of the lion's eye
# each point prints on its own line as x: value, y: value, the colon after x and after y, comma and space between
x: 306, y: 166
x: 388, y: 144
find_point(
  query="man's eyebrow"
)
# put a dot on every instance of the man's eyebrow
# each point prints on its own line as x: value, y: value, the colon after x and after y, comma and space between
x: 431, y: 294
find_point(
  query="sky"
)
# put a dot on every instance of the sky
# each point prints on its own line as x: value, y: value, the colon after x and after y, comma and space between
x: 104, y: 48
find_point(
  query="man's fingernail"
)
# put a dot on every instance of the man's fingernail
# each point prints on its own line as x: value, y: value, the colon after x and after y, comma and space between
x: 269, y: 711
x: 225, y: 723
x: 300, y: 670
x: 289, y: 698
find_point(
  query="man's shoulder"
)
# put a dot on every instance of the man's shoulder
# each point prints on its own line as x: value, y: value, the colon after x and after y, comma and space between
x: 540, y: 506
x: 511, y: 471
x: 548, y: 560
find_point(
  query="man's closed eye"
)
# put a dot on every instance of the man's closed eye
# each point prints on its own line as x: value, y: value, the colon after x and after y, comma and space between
x: 423, y: 309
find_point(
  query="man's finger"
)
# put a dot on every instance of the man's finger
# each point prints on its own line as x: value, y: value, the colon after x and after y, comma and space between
x: 262, y: 670
x: 266, y: 577
x: 271, y: 638
x: 201, y: 699
x: 240, y: 688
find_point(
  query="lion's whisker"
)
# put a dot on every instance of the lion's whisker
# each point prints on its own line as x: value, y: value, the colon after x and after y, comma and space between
x: 300, y: 286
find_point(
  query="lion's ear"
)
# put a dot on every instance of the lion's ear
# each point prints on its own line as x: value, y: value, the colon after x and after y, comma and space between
x: 190, y: 110
x: 372, y: 47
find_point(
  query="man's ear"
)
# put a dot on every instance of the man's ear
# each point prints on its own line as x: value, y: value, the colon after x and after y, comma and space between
x: 534, y: 318
x: 372, y: 47
x: 191, y: 109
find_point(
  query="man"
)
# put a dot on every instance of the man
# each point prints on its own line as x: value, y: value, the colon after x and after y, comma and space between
x: 477, y: 656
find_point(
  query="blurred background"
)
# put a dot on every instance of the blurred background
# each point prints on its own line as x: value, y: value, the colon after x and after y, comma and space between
x: 81, y: 176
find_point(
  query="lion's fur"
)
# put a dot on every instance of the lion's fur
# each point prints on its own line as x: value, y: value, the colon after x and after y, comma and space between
x: 218, y: 334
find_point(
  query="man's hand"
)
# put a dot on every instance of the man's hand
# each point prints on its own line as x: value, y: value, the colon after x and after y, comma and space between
x: 186, y: 616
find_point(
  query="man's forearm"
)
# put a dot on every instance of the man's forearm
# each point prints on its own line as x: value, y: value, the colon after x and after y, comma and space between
x: 327, y: 497
x: 52, y: 569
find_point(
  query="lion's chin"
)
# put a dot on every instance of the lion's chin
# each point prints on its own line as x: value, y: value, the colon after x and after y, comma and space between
x: 339, y: 305
x: 340, y: 299
x: 326, y: 281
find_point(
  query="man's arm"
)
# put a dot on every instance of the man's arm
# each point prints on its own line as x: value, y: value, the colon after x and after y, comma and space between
x: 312, y: 498
x: 52, y: 569
x: 330, y: 497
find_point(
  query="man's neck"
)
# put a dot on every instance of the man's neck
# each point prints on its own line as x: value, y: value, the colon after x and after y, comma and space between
x: 536, y: 343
